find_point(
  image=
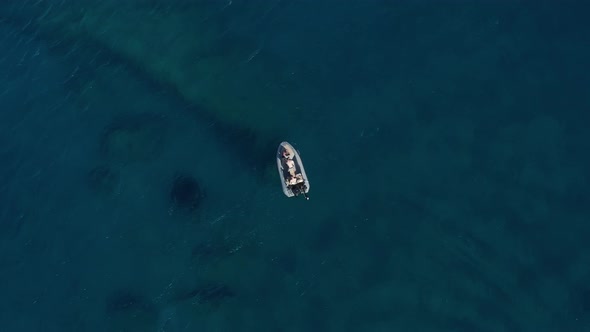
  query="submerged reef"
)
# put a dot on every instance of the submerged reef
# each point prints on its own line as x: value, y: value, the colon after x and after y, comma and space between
x: 199, y: 49
x: 210, y: 293
x: 185, y: 194
x: 210, y: 55
x: 127, y: 300
x: 129, y: 311
x: 137, y: 138
x: 103, y: 180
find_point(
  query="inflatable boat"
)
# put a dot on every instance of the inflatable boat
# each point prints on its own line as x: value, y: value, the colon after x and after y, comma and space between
x: 293, y: 177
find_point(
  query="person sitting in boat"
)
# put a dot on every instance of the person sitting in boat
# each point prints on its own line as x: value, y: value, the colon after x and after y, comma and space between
x: 286, y: 154
x: 291, y: 164
x: 295, y: 180
x: 292, y: 181
x: 299, y: 178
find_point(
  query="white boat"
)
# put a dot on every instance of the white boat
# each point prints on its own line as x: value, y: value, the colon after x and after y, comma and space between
x: 291, y: 171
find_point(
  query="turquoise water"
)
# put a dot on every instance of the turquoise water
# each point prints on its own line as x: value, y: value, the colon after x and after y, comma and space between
x: 446, y: 147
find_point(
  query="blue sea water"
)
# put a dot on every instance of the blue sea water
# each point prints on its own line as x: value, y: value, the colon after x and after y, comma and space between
x: 446, y: 146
